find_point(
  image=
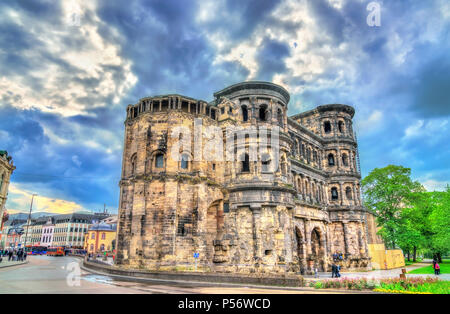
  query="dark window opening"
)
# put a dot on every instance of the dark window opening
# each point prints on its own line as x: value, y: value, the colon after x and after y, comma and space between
x: 341, y: 126
x: 159, y: 161
x: 226, y: 207
x: 334, y: 194
x: 280, y: 117
x: 244, y: 113
x: 263, y: 113
x: 348, y: 193
x: 345, y: 160
x: 246, y: 164
x: 327, y: 126
x: 330, y: 160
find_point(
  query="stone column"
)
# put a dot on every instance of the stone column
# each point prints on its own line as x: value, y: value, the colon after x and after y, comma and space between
x: 341, y: 191
x: 308, y: 236
x: 346, y: 237
x: 257, y: 241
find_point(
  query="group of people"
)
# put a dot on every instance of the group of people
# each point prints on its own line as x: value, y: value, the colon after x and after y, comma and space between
x: 17, y: 255
x: 335, y: 270
x: 338, y: 257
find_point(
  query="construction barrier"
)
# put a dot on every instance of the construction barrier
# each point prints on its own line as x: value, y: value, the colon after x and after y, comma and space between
x: 385, y: 259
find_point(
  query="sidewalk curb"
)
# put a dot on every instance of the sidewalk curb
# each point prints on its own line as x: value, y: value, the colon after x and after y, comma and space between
x: 18, y: 264
x: 220, y: 284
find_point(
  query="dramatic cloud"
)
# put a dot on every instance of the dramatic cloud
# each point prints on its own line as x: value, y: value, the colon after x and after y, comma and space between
x: 70, y: 68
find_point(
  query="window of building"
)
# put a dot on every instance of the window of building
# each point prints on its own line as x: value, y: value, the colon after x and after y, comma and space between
x: 226, y: 207
x: 327, y: 126
x: 345, y: 160
x: 159, y: 161
x: 103, y: 236
x: 334, y: 194
x: 341, y: 127
x: 92, y: 235
x: 244, y: 113
x: 133, y: 164
x: 263, y: 113
x: 280, y: 117
x: 184, y: 162
x: 330, y: 160
x: 246, y: 164
x: 348, y: 193
x: 265, y: 163
x: 2, y: 179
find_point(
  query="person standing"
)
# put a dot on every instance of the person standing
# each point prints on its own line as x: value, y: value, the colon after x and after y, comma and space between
x: 437, y: 269
x: 333, y: 270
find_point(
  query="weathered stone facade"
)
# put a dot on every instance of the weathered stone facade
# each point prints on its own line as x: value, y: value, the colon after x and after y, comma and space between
x: 6, y: 169
x: 241, y: 216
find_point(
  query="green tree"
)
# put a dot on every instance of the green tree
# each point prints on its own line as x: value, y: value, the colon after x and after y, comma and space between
x: 439, y: 220
x: 386, y: 193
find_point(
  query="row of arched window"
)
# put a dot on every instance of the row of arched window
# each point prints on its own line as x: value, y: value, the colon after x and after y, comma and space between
x: 344, y: 159
x: 335, y: 194
x: 263, y: 114
x: 158, y: 161
x: 327, y: 127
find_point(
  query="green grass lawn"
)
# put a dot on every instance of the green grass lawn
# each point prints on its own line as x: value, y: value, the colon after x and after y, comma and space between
x: 411, y: 262
x: 445, y: 269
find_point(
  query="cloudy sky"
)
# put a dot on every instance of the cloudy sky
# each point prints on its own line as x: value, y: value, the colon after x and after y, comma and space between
x: 69, y: 68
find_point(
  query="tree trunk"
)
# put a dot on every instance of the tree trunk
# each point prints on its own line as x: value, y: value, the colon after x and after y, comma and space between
x: 439, y: 257
x: 407, y: 253
x: 414, y: 254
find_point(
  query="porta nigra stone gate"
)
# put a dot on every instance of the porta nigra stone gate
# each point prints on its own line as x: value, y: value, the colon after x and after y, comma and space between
x: 241, y: 216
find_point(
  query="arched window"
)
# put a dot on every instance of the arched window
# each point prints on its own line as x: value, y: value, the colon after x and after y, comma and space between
x: 265, y: 163
x: 263, y: 113
x: 92, y: 235
x: 2, y: 179
x: 327, y: 126
x: 159, y: 161
x: 348, y: 193
x: 92, y: 248
x: 133, y: 164
x: 330, y: 160
x: 341, y: 127
x: 244, y: 113
x: 344, y: 159
x: 103, y: 236
x: 102, y: 247
x: 308, y: 155
x: 334, y: 194
x: 184, y: 164
x: 246, y: 164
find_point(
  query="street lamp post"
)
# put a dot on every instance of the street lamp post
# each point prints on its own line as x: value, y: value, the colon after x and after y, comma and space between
x: 28, y: 222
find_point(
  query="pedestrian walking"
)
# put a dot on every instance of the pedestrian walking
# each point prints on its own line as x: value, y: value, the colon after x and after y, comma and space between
x: 316, y: 271
x: 333, y: 270
x: 338, y: 271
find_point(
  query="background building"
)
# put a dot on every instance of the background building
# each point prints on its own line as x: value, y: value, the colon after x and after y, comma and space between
x: 289, y: 208
x: 6, y: 169
x: 101, y: 237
